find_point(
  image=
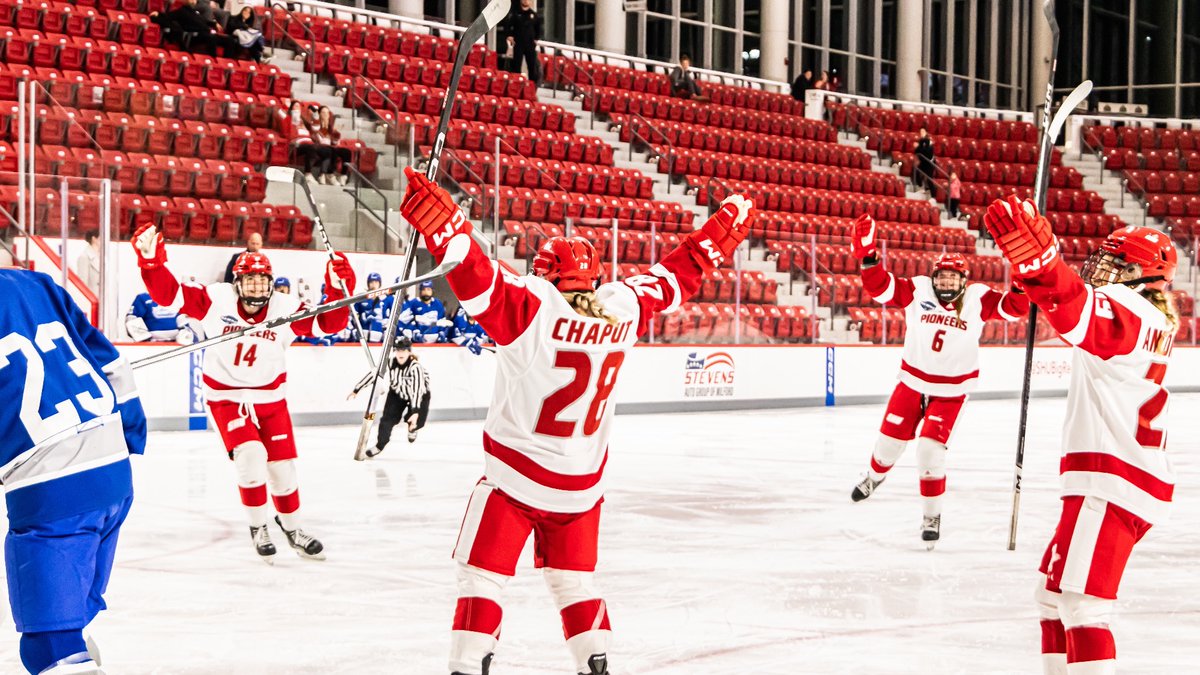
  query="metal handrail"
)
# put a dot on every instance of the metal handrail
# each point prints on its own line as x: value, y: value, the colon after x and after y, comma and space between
x: 671, y: 154
x: 577, y: 90
x: 360, y: 183
x: 541, y: 172
x: 308, y: 54
x: 394, y: 122
x: 437, y: 28
x: 450, y: 156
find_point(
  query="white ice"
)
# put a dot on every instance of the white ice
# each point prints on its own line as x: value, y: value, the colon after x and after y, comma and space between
x: 729, y: 545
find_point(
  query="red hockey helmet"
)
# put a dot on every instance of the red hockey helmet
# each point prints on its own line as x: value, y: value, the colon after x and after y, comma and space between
x: 570, y: 263
x: 249, y: 265
x: 1132, y: 255
x: 949, y: 290
x: 952, y: 261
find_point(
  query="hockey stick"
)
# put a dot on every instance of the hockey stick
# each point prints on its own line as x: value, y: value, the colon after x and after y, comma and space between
x: 439, y: 271
x: 287, y: 174
x: 1041, y: 185
x: 491, y: 16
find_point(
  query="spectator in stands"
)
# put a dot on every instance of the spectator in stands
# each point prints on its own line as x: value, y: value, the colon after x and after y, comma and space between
x: 296, y: 126
x: 244, y: 27
x: 147, y: 321
x: 253, y: 243
x: 335, y: 167
x: 923, y: 173
x: 683, y: 85
x: 823, y: 81
x: 834, y: 82
x: 802, y: 84
x: 186, y: 26
x: 283, y: 285
x: 213, y: 13
x: 954, y: 196
x: 87, y: 265
x: 522, y: 29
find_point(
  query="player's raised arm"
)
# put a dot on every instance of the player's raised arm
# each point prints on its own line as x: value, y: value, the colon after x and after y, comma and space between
x: 1100, y: 321
x: 164, y: 289
x: 885, y: 287
x: 498, y: 300
x: 336, y: 271
x: 1009, y: 305
x: 676, y: 279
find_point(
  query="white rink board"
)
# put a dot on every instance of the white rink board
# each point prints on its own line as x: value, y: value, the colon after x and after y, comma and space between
x: 652, y: 379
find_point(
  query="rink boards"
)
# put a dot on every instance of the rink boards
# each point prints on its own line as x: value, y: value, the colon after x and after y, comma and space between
x: 654, y: 378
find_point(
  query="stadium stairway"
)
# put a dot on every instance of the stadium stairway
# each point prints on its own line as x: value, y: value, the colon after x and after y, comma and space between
x: 349, y: 226
x: 789, y: 294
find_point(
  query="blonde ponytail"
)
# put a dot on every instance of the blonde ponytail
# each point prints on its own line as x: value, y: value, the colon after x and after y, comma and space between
x: 1165, y: 302
x: 585, y: 304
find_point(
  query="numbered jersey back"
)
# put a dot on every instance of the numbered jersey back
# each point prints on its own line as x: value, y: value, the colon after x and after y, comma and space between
x: 251, y: 369
x: 547, y: 430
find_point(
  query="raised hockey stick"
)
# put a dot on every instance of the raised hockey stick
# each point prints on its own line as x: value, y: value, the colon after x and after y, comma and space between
x: 1050, y: 130
x: 491, y: 16
x: 439, y: 271
x: 287, y: 174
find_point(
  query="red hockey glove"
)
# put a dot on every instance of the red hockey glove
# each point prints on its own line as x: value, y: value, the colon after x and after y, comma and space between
x: 1024, y: 237
x: 722, y: 233
x: 862, y: 238
x: 430, y: 209
x: 336, y: 271
x: 148, y: 244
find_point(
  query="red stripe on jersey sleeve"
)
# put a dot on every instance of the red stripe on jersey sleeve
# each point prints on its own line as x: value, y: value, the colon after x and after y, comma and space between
x: 1098, y: 462
x: 997, y: 305
x: 498, y: 301
x: 538, y: 473
x: 1086, y: 318
x: 164, y: 289
x: 876, y: 280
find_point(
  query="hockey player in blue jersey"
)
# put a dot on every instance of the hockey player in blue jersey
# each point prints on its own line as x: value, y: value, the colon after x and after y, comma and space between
x: 466, y: 332
x: 147, y: 321
x: 371, y: 311
x: 71, y: 420
x: 424, y: 317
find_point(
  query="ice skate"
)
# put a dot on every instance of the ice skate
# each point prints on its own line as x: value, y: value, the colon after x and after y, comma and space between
x: 487, y: 663
x: 372, y: 452
x: 262, y: 543
x: 68, y: 667
x: 597, y: 665
x: 412, y: 436
x: 931, y: 527
x: 865, y: 488
x: 304, y: 545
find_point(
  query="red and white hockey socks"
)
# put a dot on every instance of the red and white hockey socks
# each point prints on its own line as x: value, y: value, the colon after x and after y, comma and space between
x: 887, y: 451
x: 1076, y: 639
x: 250, y: 462
x: 584, y: 615
x: 477, y: 617
x: 931, y: 463
x: 285, y: 492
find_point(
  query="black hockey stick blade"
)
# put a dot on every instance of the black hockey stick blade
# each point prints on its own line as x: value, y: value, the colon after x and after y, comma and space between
x: 439, y: 271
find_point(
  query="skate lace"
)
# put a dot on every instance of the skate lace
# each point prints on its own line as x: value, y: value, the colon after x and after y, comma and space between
x: 932, y: 521
x: 303, y: 540
x: 261, y: 537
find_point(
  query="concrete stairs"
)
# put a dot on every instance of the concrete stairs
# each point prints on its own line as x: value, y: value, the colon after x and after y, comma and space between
x: 1108, y: 185
x: 625, y: 157
x: 351, y: 224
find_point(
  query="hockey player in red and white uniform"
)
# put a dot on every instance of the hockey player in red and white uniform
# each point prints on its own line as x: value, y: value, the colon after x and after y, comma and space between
x: 944, y: 317
x: 1116, y: 478
x: 561, y: 339
x: 245, y: 379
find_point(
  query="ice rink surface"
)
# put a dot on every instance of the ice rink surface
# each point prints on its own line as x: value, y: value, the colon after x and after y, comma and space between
x: 729, y: 544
